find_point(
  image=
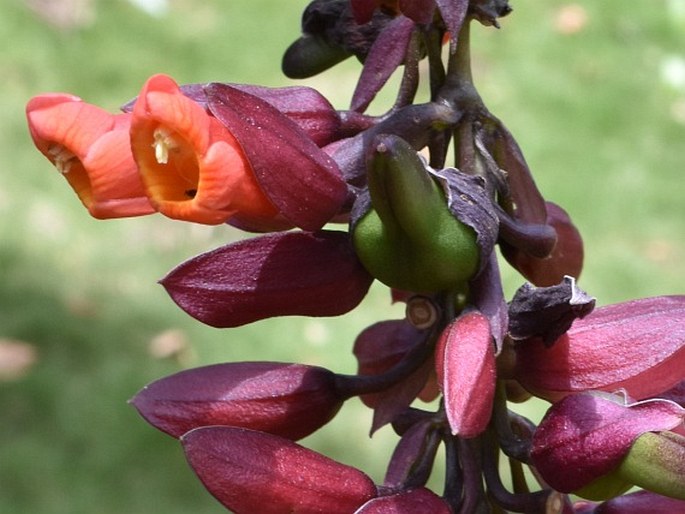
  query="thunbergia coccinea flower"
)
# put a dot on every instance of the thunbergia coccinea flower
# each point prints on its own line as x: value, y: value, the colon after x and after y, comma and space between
x: 90, y: 148
x: 193, y: 168
x: 273, y: 159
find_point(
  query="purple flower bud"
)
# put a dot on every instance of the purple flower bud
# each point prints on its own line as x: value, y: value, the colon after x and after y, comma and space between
x: 412, y: 461
x: 290, y: 400
x: 311, y: 274
x: 250, y: 472
x: 637, y: 345
x: 585, y: 436
x: 386, y: 54
x: 382, y: 345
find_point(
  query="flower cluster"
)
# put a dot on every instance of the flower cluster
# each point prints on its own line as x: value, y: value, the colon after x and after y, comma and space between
x: 271, y: 160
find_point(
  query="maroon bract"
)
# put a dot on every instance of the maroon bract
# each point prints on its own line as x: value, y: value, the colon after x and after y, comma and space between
x: 638, y: 346
x: 585, y: 436
x: 290, y: 400
x: 250, y: 472
x: 273, y: 275
x: 309, y: 191
x: 384, y: 57
x: 381, y: 346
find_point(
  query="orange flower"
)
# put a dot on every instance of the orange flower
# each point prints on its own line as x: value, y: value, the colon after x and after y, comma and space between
x: 192, y: 167
x: 90, y: 147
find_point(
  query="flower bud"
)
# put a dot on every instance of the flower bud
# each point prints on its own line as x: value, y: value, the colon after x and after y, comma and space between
x: 465, y: 365
x: 412, y: 461
x: 381, y: 346
x: 586, y: 436
x: 638, y: 346
x: 409, y: 239
x: 289, y: 273
x: 290, y: 400
x: 250, y: 472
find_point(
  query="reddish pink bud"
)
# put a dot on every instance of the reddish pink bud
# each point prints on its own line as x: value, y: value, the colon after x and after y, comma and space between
x: 465, y: 365
x: 638, y: 346
x: 641, y: 502
x: 252, y: 472
x: 310, y: 274
x: 416, y: 501
x: 290, y: 400
x: 585, y: 436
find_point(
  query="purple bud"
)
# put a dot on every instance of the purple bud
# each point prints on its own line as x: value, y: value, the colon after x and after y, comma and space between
x: 585, y: 436
x: 250, y: 472
x: 386, y: 54
x: 637, y: 345
x: 310, y: 274
x: 290, y: 400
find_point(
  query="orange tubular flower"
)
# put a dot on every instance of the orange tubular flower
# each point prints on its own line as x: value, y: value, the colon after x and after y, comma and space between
x: 192, y: 167
x: 90, y: 147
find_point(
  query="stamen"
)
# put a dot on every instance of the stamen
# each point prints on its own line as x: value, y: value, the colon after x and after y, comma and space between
x: 164, y: 142
x: 63, y: 158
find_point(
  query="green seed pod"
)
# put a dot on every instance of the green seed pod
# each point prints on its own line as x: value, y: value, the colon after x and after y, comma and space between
x: 409, y: 239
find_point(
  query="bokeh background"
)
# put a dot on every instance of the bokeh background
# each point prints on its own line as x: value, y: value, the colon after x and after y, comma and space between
x: 594, y: 92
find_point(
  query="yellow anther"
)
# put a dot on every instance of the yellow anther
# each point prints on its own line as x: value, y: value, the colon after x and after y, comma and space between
x: 164, y: 142
x: 63, y: 158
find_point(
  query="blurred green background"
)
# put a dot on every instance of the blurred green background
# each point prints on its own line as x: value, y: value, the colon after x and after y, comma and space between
x: 594, y: 92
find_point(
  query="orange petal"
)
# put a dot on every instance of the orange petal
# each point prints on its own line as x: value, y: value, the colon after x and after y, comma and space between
x: 78, y: 138
x: 66, y: 121
x: 193, y: 169
x: 115, y: 189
